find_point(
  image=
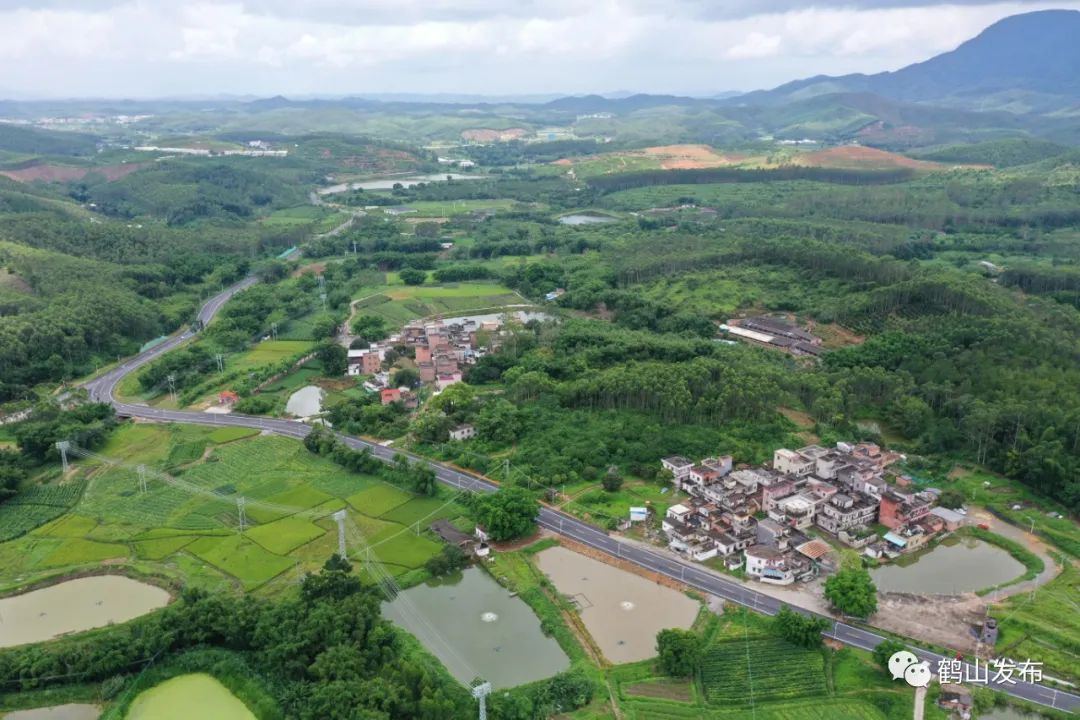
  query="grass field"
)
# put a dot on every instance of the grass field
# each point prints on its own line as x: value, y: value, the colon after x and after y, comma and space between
x: 187, y: 528
x: 453, y: 208
x: 1047, y: 627
x: 399, y: 304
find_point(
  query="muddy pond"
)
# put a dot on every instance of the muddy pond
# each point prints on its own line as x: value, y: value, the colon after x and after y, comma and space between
x: 956, y: 565
x: 305, y: 402
x: 186, y: 697
x: 475, y: 627
x: 75, y: 605
x: 622, y: 611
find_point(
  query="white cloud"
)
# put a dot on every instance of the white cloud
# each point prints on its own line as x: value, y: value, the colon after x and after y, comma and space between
x: 119, y: 47
x: 755, y: 45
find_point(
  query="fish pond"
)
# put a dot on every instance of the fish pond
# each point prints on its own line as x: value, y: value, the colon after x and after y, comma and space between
x: 305, y: 402
x: 584, y: 219
x: 475, y: 627
x: 185, y: 697
x: 956, y: 565
x: 75, y: 605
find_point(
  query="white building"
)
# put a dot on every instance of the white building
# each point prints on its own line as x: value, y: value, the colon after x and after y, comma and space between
x: 463, y: 432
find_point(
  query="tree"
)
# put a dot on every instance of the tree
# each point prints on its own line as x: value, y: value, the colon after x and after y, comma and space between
x: 335, y: 580
x: 612, y: 479
x: 334, y: 359
x: 680, y: 651
x: 412, y: 276
x: 852, y: 592
x: 325, y: 326
x: 370, y: 328
x: 951, y: 498
x: 405, y: 377
x: 507, y: 514
x: 885, y: 650
x: 449, y: 560
x: 799, y: 629
x: 499, y: 421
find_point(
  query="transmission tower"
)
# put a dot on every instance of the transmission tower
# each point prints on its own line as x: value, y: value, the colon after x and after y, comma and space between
x: 171, y: 379
x: 63, y: 446
x: 273, y: 330
x: 339, y: 518
x: 480, y: 692
x: 354, y: 246
x: 322, y: 296
x: 220, y: 362
x: 141, y: 470
x: 322, y: 283
x: 240, y: 503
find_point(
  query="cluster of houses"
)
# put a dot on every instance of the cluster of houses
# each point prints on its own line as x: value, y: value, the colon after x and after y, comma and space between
x: 774, y: 333
x: 442, y: 350
x: 762, y: 516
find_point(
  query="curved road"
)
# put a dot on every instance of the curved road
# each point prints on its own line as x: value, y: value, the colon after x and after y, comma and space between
x: 101, y: 389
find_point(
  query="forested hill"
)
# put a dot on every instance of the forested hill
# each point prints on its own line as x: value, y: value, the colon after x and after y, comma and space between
x: 1028, y: 59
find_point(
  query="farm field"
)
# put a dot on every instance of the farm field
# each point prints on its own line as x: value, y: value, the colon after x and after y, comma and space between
x: 399, y: 304
x: 747, y: 672
x: 453, y: 208
x: 187, y: 527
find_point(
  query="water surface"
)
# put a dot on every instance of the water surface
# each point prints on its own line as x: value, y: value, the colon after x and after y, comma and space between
x: 75, y: 605
x: 388, y: 183
x: 583, y: 219
x: 187, y: 697
x: 305, y: 402
x: 57, y: 712
x: 956, y: 565
x: 622, y: 611
x: 473, y: 625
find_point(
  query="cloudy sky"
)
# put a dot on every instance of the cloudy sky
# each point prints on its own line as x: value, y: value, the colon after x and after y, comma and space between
x: 155, y: 48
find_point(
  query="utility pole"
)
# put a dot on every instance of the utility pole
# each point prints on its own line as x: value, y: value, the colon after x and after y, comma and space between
x: 171, y: 379
x: 220, y: 363
x: 480, y: 692
x: 141, y: 470
x: 339, y: 518
x: 506, y: 469
x: 63, y: 446
x: 240, y: 503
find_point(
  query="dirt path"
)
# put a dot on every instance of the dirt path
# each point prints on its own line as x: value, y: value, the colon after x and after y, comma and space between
x: 920, y: 703
x: 1031, y: 542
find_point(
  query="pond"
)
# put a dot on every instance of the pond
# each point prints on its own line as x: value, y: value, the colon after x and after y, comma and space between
x: 956, y: 565
x: 622, y: 611
x: 57, y: 712
x: 481, y: 630
x: 583, y: 219
x: 75, y: 605
x: 305, y: 402
x: 1008, y: 713
x: 388, y: 183
x: 196, y: 695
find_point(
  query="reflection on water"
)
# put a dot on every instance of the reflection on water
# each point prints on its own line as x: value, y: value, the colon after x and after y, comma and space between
x: 1008, y: 713
x: 481, y: 630
x: 74, y: 606
x: 956, y: 565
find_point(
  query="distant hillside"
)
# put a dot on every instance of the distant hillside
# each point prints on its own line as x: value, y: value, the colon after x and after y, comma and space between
x: 1023, y: 63
x: 33, y: 141
x: 999, y: 153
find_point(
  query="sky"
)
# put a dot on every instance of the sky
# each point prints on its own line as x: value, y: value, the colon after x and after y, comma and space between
x: 158, y: 48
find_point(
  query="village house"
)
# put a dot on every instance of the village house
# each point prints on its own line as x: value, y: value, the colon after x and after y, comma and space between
x: 364, y: 362
x: 463, y: 432
x: 955, y: 698
x: 837, y: 489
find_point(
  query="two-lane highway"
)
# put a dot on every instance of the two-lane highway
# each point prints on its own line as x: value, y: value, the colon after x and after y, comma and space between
x: 690, y: 574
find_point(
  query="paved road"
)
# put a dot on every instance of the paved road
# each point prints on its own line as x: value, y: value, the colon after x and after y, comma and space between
x: 691, y: 574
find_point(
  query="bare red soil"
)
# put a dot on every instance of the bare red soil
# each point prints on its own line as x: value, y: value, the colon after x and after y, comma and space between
x: 489, y: 135
x: 47, y: 172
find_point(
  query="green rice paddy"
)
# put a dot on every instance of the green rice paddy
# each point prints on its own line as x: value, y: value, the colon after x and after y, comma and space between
x: 191, y: 532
